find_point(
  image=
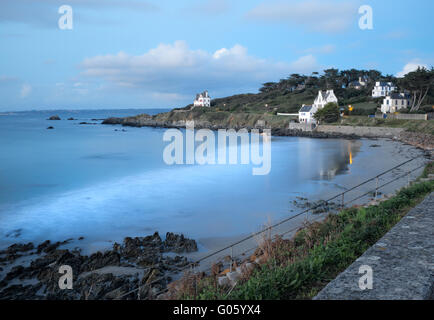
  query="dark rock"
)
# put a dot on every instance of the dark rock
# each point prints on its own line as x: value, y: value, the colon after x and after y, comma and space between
x: 84, y: 122
x: 50, y: 128
x: 145, y: 253
x: 99, y: 260
x: 113, y: 121
x: 178, y: 243
x: 71, y: 119
x: 149, y: 258
x: 19, y: 248
x: 14, y: 273
x: 56, y: 117
x: 47, y: 246
x: 134, y: 247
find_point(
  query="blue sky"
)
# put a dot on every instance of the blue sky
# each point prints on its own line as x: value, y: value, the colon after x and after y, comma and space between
x: 138, y: 54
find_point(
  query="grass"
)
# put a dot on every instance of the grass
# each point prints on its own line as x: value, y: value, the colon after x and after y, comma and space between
x: 300, y: 267
x: 410, y: 125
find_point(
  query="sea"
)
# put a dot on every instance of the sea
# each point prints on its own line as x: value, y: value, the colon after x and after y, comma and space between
x: 107, y: 182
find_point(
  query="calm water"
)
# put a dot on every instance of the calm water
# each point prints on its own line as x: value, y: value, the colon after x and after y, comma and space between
x: 104, y: 184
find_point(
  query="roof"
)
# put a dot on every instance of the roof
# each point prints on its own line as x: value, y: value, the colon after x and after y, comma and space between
x: 395, y: 95
x: 385, y: 84
x: 203, y: 94
x: 325, y: 94
x: 357, y: 83
x: 305, y: 108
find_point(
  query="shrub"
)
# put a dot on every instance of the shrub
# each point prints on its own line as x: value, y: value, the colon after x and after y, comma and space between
x: 328, y: 114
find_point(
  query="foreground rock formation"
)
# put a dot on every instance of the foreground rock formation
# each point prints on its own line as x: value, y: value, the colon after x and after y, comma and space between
x: 32, y: 272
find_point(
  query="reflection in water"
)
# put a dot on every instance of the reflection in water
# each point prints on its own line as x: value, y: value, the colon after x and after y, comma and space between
x: 330, y: 163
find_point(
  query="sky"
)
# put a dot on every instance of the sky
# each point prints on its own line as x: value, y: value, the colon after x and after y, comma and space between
x: 159, y: 54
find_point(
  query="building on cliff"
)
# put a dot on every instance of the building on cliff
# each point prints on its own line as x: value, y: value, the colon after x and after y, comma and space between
x: 202, y: 100
x: 305, y: 115
x: 382, y: 89
x: 395, y: 102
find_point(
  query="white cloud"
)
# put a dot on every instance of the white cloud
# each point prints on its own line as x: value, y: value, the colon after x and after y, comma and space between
x: 410, y: 67
x: 305, y: 64
x: 175, y: 70
x: 26, y: 89
x: 327, y: 16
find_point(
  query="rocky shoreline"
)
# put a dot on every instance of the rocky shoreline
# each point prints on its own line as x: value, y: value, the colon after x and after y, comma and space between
x: 139, y: 268
x: 149, y: 121
x: 168, y: 120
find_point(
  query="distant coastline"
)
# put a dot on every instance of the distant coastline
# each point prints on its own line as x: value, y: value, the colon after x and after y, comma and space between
x: 279, y: 125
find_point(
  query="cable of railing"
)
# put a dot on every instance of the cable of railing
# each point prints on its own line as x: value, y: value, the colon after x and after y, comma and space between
x: 303, y: 212
x: 385, y: 184
x: 192, y: 264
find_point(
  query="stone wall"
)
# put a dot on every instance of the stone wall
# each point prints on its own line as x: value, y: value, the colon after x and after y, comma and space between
x: 407, y: 116
x: 368, y: 132
x: 402, y: 263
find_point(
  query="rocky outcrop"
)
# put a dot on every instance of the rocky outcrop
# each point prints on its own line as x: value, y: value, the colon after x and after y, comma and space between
x: 317, y: 207
x: 56, y: 117
x: 420, y: 140
x: 139, y: 262
x: 179, y: 244
x: 209, y: 119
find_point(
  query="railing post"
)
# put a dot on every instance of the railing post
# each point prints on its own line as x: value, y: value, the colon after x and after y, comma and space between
x: 376, y: 188
x: 232, y: 258
x: 408, y: 178
x: 195, y: 280
x: 342, y: 201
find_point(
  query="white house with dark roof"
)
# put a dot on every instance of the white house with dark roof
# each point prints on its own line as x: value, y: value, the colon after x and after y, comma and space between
x: 383, y: 89
x: 395, y: 102
x: 202, y: 99
x: 305, y: 115
x: 325, y: 97
x: 358, y: 84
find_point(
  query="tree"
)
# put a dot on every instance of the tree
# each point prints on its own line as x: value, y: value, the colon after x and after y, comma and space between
x: 328, y: 114
x: 332, y: 79
x: 418, y: 83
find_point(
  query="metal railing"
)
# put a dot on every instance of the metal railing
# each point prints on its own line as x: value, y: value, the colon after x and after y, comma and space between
x: 341, y: 196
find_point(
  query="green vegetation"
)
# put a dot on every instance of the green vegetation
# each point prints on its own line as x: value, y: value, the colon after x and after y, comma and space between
x: 224, y: 119
x: 419, y: 126
x: 299, y: 268
x: 289, y: 94
x: 419, y: 83
x: 328, y: 114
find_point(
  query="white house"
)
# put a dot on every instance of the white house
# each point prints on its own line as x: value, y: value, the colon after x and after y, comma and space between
x: 305, y: 115
x: 202, y: 100
x: 325, y: 97
x: 394, y: 102
x: 383, y: 89
x: 358, y: 84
